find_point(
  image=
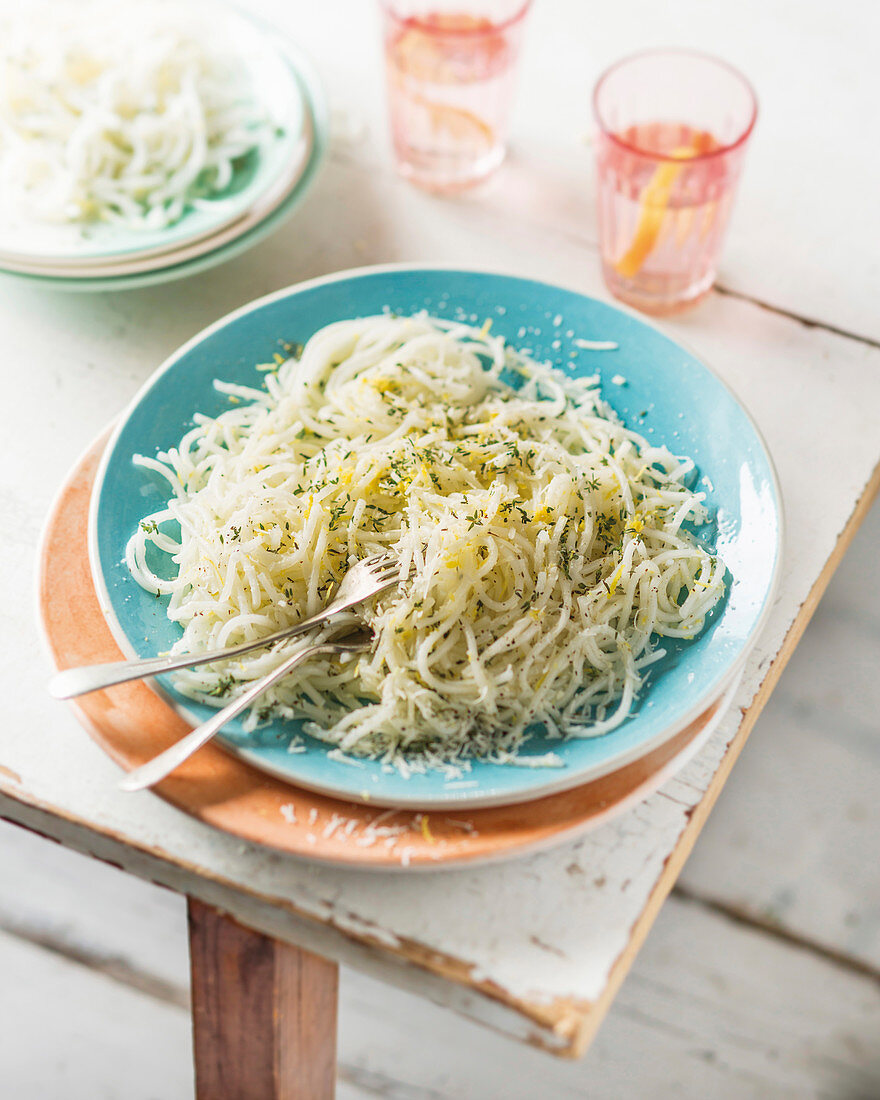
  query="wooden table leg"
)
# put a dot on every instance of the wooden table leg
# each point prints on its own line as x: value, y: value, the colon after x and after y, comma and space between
x: 264, y: 1014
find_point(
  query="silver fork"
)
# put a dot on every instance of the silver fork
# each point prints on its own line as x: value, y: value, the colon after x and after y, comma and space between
x: 365, y: 579
x: 157, y: 768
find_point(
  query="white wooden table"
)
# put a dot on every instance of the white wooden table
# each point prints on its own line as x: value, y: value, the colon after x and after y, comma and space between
x: 536, y: 948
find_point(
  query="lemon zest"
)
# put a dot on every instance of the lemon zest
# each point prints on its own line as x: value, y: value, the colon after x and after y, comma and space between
x: 654, y: 204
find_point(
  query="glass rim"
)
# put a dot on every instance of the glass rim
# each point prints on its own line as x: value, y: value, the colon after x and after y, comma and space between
x: 673, y: 51
x: 388, y: 6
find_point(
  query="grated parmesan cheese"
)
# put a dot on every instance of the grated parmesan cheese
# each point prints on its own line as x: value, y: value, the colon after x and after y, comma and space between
x: 596, y: 345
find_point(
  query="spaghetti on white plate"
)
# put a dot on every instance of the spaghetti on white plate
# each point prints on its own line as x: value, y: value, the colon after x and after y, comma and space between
x: 121, y: 113
x: 544, y: 545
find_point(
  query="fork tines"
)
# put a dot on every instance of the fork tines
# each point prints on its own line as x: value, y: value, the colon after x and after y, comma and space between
x: 384, y: 566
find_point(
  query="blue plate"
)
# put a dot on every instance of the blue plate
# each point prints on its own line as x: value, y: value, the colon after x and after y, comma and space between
x: 668, y: 395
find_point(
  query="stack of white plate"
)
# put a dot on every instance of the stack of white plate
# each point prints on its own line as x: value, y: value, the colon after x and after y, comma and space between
x: 266, y: 186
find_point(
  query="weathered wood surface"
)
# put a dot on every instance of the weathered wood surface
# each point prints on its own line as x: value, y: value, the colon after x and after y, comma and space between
x: 263, y: 1014
x: 711, y: 1008
x: 74, y: 360
x: 68, y: 1031
x: 775, y: 363
x: 792, y: 840
x: 687, y: 1007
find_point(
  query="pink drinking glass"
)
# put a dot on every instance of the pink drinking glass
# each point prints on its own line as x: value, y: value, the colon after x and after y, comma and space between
x: 450, y: 66
x: 673, y: 126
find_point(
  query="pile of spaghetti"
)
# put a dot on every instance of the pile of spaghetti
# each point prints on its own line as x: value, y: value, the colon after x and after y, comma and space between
x: 120, y: 113
x: 543, y: 544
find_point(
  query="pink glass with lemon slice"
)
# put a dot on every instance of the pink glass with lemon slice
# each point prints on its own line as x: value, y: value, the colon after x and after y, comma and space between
x: 673, y: 126
x: 450, y: 68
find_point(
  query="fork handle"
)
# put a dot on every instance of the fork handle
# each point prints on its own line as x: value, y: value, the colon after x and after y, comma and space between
x: 79, y: 681
x: 156, y: 769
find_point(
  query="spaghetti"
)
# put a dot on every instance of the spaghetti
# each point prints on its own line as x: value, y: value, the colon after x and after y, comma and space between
x: 124, y: 115
x: 547, y: 544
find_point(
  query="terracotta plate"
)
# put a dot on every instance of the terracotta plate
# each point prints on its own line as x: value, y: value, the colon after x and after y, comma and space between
x: 132, y: 724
